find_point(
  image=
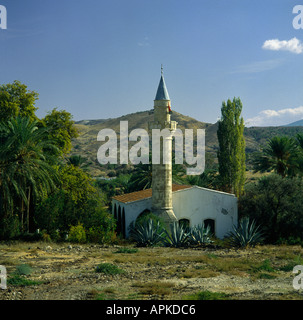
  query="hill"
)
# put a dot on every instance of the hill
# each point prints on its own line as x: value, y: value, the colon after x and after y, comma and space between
x: 296, y: 123
x: 87, y: 145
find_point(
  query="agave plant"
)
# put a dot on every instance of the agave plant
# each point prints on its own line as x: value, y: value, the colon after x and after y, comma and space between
x: 200, y: 235
x: 147, y: 234
x: 177, y: 237
x: 246, y: 234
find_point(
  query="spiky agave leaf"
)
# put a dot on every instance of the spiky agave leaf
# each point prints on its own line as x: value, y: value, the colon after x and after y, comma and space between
x: 147, y: 234
x: 200, y: 235
x: 177, y: 237
x: 246, y: 234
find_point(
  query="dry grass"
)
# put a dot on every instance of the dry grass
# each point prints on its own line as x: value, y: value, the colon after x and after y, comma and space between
x: 158, y: 273
x: 160, y: 288
x: 193, y: 272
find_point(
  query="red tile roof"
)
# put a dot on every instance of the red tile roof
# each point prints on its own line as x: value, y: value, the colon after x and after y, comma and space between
x: 147, y: 193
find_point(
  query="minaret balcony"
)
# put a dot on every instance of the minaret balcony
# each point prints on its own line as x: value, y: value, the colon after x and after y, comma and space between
x: 171, y: 125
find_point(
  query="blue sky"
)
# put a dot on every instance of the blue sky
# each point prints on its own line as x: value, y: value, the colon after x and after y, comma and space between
x: 102, y: 58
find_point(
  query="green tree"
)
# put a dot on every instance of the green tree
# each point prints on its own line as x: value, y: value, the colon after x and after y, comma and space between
x: 17, y: 100
x: 76, y: 202
x: 79, y: 161
x: 280, y: 156
x: 113, y: 187
x: 208, y: 179
x: 276, y: 204
x: 76, y: 182
x: 61, y: 129
x: 25, y: 173
x: 141, y: 179
x: 231, y: 153
x: 299, y: 142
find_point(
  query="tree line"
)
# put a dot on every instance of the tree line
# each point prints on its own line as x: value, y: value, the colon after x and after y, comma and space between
x: 41, y: 187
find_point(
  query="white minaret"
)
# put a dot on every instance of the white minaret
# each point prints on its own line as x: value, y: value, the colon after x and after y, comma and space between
x: 162, y: 204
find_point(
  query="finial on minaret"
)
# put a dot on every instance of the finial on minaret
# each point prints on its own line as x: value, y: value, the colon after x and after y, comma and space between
x: 162, y: 93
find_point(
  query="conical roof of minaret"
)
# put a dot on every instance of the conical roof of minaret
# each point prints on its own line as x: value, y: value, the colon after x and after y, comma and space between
x: 162, y: 93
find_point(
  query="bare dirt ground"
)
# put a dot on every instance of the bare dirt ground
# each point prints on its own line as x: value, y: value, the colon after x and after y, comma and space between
x: 68, y: 272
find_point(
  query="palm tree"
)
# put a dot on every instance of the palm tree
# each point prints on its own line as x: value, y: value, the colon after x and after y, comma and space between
x: 178, y: 173
x: 25, y: 170
x: 142, y: 178
x: 208, y: 179
x: 78, y: 161
x: 279, y: 156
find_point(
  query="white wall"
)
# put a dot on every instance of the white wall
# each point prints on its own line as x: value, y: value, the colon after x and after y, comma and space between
x: 132, y: 210
x: 197, y: 204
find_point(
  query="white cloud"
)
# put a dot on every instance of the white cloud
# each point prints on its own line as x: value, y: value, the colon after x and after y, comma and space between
x: 275, y: 117
x: 293, y: 45
x: 144, y: 43
x: 258, y: 66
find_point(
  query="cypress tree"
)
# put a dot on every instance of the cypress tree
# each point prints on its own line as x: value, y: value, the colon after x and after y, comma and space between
x: 231, y: 153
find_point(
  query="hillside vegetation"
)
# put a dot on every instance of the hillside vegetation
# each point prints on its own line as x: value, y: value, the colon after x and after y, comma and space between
x: 87, y: 145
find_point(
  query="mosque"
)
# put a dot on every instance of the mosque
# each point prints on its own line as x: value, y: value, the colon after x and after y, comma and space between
x: 191, y: 205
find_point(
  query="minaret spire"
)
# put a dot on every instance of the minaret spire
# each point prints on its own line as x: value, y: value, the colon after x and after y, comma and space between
x: 162, y: 172
x: 162, y: 93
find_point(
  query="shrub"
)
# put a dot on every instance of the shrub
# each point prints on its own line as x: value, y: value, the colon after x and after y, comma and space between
x: 19, y: 277
x: 177, y: 237
x: 207, y: 295
x: 147, y: 234
x: 246, y: 234
x: 275, y: 203
x: 146, y: 215
x: 290, y: 241
x: 23, y: 269
x: 109, y: 269
x: 298, y: 260
x: 100, y: 234
x: 19, y: 281
x: 45, y: 236
x: 77, y: 234
x: 154, y: 287
x: 127, y: 250
x: 10, y: 227
x: 200, y: 235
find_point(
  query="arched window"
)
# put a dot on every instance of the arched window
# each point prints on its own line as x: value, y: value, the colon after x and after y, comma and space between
x: 123, y: 223
x: 145, y: 215
x: 119, y: 221
x: 211, y: 224
x: 115, y: 211
x: 184, y: 223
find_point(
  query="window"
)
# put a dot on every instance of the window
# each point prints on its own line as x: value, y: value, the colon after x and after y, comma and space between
x: 115, y: 211
x: 184, y: 223
x: 123, y: 223
x: 145, y: 215
x: 211, y: 224
x: 119, y: 221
